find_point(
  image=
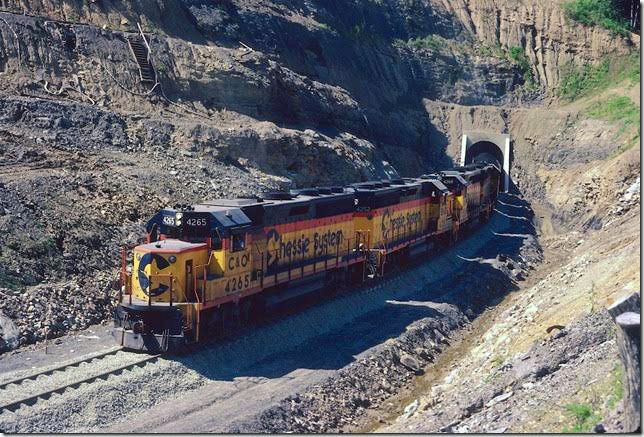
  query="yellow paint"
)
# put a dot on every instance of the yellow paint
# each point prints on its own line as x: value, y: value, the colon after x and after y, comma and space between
x: 161, y: 277
x: 287, y: 245
x: 442, y: 212
x: 390, y: 224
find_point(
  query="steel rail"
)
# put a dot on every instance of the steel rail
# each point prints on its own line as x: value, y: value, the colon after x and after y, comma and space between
x: 61, y: 367
x: 30, y: 400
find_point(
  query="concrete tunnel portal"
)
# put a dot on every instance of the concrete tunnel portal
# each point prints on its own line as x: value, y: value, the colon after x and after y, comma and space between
x: 490, y: 148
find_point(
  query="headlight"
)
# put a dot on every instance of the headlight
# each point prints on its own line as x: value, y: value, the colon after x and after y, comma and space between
x: 172, y: 259
x: 179, y: 215
x: 178, y: 222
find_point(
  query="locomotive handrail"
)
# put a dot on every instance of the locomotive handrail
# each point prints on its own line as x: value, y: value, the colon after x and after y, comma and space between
x: 160, y: 275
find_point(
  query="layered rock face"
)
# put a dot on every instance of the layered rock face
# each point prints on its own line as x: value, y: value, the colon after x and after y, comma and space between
x: 336, y: 67
x: 548, y: 39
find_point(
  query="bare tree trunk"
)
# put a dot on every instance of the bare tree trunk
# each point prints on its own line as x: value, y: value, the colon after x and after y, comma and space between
x: 626, y: 314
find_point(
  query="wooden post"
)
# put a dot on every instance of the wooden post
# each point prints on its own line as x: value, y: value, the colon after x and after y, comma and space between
x: 626, y: 314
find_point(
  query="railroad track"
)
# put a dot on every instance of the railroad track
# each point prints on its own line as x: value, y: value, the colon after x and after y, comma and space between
x: 45, y: 394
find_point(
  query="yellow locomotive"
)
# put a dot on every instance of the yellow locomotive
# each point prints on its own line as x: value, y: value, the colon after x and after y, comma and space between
x: 208, y: 267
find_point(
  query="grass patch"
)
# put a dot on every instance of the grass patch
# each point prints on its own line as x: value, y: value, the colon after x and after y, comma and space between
x: 583, y: 416
x: 576, y: 82
x: 616, y: 108
x: 580, y: 81
x: 616, y: 385
x: 619, y: 110
x: 602, y: 13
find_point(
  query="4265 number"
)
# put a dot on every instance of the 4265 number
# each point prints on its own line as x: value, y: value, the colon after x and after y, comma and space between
x: 238, y: 283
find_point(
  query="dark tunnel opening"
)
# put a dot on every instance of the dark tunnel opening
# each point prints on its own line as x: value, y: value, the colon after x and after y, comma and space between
x: 487, y: 152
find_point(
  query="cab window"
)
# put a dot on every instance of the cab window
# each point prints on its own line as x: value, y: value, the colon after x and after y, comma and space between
x: 238, y: 242
x: 215, y: 240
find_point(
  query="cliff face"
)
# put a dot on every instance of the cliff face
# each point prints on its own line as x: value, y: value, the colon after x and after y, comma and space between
x: 548, y: 39
x: 345, y: 69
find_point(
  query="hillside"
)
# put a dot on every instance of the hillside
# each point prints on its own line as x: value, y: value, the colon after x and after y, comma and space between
x: 261, y: 94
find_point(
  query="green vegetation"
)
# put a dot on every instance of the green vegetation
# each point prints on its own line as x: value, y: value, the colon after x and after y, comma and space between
x: 517, y: 56
x: 10, y: 282
x: 577, y: 82
x: 583, y: 416
x: 497, y: 361
x: 616, y: 385
x: 622, y: 111
x: 598, y: 398
x: 495, y: 51
x: 429, y: 42
x: 597, y: 13
x: 616, y: 108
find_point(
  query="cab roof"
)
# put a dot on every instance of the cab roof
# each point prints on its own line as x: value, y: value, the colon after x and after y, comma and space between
x: 170, y: 246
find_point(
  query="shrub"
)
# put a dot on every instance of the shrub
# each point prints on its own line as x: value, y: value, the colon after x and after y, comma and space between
x: 518, y: 57
x: 597, y: 13
x: 583, y: 417
x: 429, y: 42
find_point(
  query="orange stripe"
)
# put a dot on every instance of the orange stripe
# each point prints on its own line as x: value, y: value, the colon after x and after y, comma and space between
x: 397, y: 207
x: 311, y: 223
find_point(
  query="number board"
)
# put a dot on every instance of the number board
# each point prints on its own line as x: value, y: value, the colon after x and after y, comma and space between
x: 168, y: 220
x: 196, y: 223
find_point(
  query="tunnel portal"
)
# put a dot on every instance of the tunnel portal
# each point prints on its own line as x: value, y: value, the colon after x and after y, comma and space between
x: 489, y: 148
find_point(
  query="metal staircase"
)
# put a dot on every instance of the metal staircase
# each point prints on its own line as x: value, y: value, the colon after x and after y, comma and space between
x: 139, y: 49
